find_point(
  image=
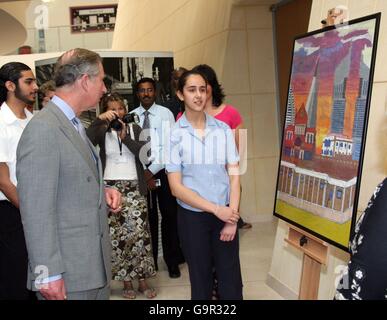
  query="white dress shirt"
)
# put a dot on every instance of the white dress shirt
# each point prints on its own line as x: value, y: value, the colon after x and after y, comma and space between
x: 161, y: 122
x: 11, y: 129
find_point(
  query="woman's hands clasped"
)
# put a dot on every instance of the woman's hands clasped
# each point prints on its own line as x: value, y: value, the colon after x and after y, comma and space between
x: 227, y: 214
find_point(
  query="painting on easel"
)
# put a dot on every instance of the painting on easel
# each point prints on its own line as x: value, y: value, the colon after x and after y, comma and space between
x: 325, y: 129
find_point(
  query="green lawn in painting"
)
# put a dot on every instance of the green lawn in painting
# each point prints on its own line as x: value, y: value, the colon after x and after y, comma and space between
x: 334, y: 231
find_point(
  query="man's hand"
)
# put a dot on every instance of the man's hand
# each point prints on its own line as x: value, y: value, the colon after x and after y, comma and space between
x: 228, y: 232
x: 113, y: 199
x: 54, y: 290
x: 150, y: 181
x: 151, y: 184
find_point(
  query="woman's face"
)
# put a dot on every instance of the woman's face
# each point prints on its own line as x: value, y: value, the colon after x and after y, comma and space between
x: 194, y: 93
x: 118, y: 107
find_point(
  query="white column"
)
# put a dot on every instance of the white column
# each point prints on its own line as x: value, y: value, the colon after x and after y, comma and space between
x: 333, y: 197
x: 324, y: 194
x: 343, y: 199
x: 283, y: 177
x: 314, y: 181
x: 298, y: 185
x: 291, y: 184
x: 350, y: 196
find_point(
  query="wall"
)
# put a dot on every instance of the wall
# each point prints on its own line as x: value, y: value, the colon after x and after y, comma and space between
x: 58, y: 36
x: 235, y: 38
x: 28, y: 59
x: 286, y: 264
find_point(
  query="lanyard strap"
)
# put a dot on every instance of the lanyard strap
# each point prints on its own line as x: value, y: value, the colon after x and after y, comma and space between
x: 119, y: 143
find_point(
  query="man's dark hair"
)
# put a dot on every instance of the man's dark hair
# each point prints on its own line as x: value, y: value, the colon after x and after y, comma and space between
x: 11, y: 71
x: 146, y: 80
x: 217, y: 90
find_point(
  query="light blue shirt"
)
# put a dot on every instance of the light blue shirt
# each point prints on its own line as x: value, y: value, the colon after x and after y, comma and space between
x: 202, y: 161
x: 161, y: 121
x: 65, y: 108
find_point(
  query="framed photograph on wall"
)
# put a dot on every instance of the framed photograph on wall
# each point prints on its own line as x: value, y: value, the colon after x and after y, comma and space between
x: 325, y: 129
x: 93, y: 18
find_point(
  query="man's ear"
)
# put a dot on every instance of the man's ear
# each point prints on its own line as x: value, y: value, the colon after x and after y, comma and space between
x: 10, y: 86
x: 83, y: 81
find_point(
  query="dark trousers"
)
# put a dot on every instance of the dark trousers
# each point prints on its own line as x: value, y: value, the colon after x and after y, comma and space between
x: 200, y: 239
x: 166, y: 202
x: 13, y: 255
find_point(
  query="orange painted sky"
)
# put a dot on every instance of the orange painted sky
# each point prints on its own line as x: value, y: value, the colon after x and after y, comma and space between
x: 324, y: 111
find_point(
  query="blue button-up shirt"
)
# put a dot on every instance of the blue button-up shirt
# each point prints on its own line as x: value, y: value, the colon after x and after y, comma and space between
x: 202, y: 160
x: 161, y: 121
x: 64, y: 107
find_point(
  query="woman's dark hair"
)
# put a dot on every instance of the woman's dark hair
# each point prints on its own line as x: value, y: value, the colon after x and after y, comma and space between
x: 183, y: 80
x: 217, y: 90
x: 11, y: 71
x: 108, y: 97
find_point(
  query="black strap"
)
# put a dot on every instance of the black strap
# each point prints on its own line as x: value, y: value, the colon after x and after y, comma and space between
x: 119, y: 143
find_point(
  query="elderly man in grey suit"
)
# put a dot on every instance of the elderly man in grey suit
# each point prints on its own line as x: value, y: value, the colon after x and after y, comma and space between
x: 63, y: 201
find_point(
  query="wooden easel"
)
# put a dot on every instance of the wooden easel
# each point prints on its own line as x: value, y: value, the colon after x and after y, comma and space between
x: 315, y: 254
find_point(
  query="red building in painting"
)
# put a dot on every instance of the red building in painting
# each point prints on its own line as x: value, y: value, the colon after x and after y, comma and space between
x: 299, y: 138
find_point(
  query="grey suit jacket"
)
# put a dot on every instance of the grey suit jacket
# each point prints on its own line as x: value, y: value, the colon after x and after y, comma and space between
x: 62, y: 204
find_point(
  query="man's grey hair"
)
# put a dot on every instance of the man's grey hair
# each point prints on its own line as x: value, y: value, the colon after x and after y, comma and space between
x: 73, y: 64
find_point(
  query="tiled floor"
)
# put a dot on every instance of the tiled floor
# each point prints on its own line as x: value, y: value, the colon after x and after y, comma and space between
x: 256, y: 246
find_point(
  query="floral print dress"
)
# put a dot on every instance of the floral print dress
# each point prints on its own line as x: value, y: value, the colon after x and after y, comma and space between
x: 365, y: 277
x: 130, y: 237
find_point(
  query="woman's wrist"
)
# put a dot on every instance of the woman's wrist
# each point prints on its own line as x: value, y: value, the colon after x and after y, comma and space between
x: 216, y: 210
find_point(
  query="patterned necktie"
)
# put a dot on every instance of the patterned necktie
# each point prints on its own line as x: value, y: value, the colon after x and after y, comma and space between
x: 146, y: 126
x: 82, y: 132
x: 80, y: 128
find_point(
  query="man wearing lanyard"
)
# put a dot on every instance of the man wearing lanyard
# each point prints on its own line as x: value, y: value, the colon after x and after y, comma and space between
x: 154, y: 119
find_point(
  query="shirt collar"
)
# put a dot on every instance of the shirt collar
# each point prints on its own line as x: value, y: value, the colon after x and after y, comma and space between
x: 64, y: 107
x: 8, y: 115
x: 151, y: 110
x: 210, y: 121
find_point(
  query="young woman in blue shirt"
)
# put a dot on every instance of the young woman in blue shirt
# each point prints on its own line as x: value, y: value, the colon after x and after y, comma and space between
x: 203, y: 174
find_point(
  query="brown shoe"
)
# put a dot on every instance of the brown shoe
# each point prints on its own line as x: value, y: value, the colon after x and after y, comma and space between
x: 246, y: 225
x: 143, y: 288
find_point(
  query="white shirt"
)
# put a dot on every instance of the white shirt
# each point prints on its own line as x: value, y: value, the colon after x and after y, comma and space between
x: 118, y: 166
x: 11, y: 129
x: 161, y: 121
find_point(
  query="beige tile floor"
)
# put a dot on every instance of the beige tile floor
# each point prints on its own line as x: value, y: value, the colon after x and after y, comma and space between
x: 256, y: 246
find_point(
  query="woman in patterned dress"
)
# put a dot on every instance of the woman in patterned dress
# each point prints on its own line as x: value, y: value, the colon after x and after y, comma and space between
x: 364, y: 277
x: 129, y: 230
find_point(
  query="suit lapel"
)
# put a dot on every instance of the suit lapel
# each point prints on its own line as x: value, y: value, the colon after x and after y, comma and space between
x: 71, y: 133
x: 100, y: 173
